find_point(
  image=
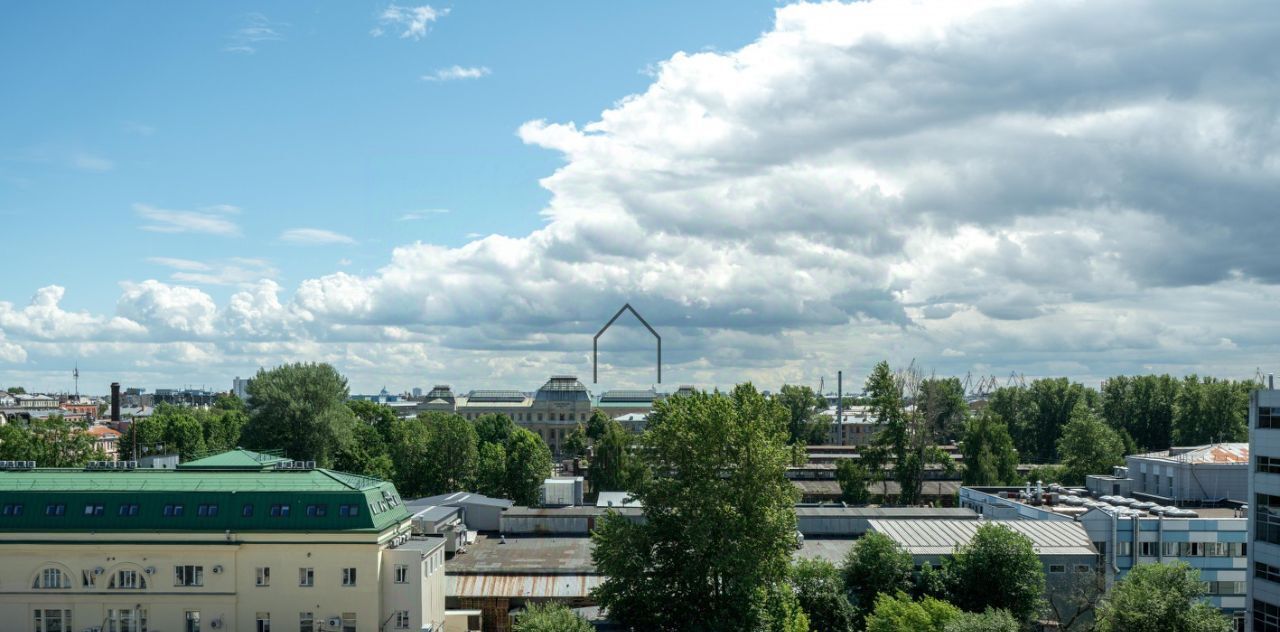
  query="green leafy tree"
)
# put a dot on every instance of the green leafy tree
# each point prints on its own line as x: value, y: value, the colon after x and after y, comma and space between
x: 990, y: 620
x: 720, y: 526
x: 989, y: 455
x: 613, y: 468
x: 778, y: 610
x: 1055, y: 401
x: 409, y: 449
x: 491, y: 470
x: 1014, y: 405
x: 806, y: 425
x: 229, y: 402
x: 300, y: 409
x: 17, y: 390
x: 898, y: 613
x: 853, y: 478
x: 551, y: 617
x: 999, y: 568
x: 1088, y: 446
x: 184, y: 434
x: 1160, y: 597
x: 943, y: 399
x: 222, y: 427
x: 1211, y: 410
x: 908, y: 437
x: 575, y: 443
x: 528, y: 465
x: 1142, y: 407
x: 50, y: 442
x: 597, y: 425
x: 874, y: 565
x: 380, y: 417
x: 451, y: 442
x: 819, y: 587
x: 366, y: 453
x: 494, y: 428
x: 932, y: 581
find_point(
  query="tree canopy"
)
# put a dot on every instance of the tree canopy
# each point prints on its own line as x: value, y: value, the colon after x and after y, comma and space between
x: 719, y: 526
x: 551, y: 617
x: 819, y: 587
x: 1159, y: 597
x: 1088, y: 446
x: 898, y: 613
x: 989, y: 455
x: 528, y: 465
x: 50, y: 442
x: 300, y: 409
x: 874, y: 565
x: 805, y: 425
x: 998, y: 568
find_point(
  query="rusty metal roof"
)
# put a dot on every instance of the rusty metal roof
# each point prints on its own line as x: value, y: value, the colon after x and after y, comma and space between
x: 565, y: 586
x: 1215, y: 453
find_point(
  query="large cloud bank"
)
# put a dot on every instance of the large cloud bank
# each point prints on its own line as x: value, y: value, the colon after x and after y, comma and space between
x: 1047, y: 187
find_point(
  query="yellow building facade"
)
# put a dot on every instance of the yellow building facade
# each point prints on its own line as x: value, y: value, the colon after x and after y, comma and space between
x: 238, y: 542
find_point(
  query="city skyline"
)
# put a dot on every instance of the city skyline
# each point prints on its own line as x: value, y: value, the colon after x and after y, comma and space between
x: 408, y: 192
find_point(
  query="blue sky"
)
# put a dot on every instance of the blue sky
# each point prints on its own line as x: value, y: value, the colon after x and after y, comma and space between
x: 462, y: 194
x: 321, y: 125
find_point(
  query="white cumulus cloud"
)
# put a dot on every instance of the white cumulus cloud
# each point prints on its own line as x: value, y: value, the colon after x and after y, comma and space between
x: 987, y: 186
x: 412, y: 22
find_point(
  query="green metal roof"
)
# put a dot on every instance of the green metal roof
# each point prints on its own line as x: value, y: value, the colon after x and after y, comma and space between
x: 238, y: 458
x: 235, y: 490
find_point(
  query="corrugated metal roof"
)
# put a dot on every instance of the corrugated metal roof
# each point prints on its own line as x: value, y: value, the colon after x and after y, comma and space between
x: 888, y: 512
x: 1219, y: 453
x: 461, y: 498
x: 941, y: 537
x: 559, y: 586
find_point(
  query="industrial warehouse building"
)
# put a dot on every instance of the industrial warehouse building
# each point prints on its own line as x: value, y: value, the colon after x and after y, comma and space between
x: 240, y: 541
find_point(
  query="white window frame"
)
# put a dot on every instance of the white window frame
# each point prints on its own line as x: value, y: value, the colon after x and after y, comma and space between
x: 188, y: 575
x: 349, y: 576
x: 306, y: 577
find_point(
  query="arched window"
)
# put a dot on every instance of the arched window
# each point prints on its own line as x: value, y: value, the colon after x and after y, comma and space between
x: 52, y: 577
x: 127, y: 579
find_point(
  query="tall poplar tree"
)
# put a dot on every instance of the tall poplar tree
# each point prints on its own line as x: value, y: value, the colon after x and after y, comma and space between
x: 720, y: 525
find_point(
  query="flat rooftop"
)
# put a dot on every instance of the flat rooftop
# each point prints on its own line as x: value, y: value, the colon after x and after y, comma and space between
x: 524, y: 555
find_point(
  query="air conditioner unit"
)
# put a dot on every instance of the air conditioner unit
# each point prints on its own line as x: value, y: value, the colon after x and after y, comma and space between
x: 311, y: 465
x: 217, y: 568
x: 335, y: 622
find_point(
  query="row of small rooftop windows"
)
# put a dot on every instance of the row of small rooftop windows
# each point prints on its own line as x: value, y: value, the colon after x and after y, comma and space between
x: 177, y: 510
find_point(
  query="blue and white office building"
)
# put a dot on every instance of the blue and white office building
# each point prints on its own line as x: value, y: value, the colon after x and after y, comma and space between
x: 1127, y: 532
x: 1264, y: 509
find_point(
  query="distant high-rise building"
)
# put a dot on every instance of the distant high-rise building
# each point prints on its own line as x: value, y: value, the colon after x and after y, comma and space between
x: 1264, y: 509
x: 417, y: 392
x: 240, y: 388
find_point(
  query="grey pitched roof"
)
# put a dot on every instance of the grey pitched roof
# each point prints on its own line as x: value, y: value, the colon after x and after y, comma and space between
x: 941, y: 537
